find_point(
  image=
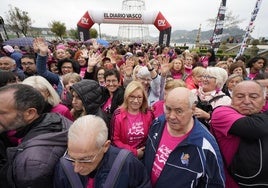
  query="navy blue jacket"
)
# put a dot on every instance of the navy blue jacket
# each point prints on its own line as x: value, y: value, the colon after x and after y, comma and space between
x: 205, y: 165
x: 132, y: 174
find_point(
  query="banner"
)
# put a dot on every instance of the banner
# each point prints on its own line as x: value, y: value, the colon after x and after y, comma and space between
x: 249, y: 28
x: 217, y: 34
x: 123, y: 17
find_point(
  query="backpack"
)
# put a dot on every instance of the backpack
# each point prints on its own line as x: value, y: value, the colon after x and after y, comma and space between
x: 207, y: 107
x: 111, y: 178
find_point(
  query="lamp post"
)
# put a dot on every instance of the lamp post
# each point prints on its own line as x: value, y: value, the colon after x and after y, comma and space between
x: 2, y: 22
x: 99, y: 31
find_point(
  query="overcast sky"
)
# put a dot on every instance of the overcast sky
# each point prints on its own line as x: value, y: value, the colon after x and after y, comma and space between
x: 181, y: 14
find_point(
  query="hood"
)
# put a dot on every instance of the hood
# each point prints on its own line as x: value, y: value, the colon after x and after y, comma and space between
x: 91, y: 94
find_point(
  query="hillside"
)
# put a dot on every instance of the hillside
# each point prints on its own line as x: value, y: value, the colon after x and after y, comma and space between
x: 182, y: 36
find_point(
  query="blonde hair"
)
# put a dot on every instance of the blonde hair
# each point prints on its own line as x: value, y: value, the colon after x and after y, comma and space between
x: 131, y: 87
x: 198, y: 71
x: 171, y: 84
x: 72, y: 75
x: 182, y: 65
x: 41, y: 84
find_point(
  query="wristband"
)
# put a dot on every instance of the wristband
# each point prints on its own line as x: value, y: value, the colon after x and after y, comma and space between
x: 150, y: 69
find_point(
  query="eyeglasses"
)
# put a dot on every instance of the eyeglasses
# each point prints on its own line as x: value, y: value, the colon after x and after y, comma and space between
x: 27, y: 63
x: 132, y: 98
x: 145, y: 79
x: 63, y: 67
x: 208, y: 77
x: 89, y: 159
x: 111, y: 81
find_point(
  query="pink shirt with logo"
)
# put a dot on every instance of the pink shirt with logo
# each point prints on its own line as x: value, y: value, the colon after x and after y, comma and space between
x: 167, y: 144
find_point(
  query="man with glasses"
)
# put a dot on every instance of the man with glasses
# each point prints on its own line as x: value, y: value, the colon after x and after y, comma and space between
x: 28, y: 65
x: 180, y: 152
x: 92, y: 157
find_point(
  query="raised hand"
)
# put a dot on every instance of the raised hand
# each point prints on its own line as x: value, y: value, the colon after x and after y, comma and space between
x: 40, y: 46
x: 94, y: 59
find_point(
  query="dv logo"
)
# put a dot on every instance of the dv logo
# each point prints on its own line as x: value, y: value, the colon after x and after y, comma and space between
x: 84, y: 20
x: 161, y: 22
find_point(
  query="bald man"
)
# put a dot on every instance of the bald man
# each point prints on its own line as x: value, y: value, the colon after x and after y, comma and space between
x: 180, y: 152
x: 91, y: 156
x: 242, y: 134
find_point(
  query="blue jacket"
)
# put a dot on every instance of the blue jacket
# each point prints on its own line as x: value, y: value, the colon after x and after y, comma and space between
x: 132, y: 174
x: 204, y: 167
x: 53, y: 79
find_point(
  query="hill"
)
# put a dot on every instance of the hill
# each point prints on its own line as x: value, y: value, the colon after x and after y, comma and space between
x: 184, y: 36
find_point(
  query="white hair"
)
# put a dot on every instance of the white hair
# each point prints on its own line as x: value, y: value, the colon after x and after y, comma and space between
x: 87, y: 126
x: 220, y: 74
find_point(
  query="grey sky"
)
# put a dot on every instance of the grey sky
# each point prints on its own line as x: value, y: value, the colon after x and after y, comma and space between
x: 181, y: 14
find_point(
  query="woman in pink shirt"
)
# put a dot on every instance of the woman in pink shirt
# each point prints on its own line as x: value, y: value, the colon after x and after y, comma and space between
x: 131, y: 121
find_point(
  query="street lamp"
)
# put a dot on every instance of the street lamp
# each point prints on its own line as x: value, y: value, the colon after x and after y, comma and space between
x: 2, y: 22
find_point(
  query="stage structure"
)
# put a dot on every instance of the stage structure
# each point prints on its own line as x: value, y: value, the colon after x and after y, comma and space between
x: 124, y: 17
x: 128, y: 32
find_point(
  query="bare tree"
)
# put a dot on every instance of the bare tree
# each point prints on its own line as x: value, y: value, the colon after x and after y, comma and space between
x: 19, y: 21
x: 230, y: 20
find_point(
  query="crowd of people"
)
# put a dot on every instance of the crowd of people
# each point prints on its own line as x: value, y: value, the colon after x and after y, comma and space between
x: 137, y: 115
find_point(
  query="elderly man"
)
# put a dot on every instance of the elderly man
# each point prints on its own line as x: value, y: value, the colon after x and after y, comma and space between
x: 242, y: 135
x: 9, y: 64
x: 180, y: 152
x: 91, y: 161
x: 39, y: 140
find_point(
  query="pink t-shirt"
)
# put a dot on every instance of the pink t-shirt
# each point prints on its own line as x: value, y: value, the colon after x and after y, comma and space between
x: 158, y: 108
x: 135, y: 132
x: 222, y: 120
x: 107, y: 106
x: 166, y: 146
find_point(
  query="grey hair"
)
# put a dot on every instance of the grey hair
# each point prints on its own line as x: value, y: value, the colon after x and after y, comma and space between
x: 220, y: 74
x: 87, y: 126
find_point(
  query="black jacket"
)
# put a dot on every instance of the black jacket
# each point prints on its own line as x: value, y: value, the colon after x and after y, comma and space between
x: 31, y: 164
x: 249, y: 165
x: 91, y: 94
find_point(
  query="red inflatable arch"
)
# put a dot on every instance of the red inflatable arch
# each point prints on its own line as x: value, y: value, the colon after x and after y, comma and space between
x: 121, y: 17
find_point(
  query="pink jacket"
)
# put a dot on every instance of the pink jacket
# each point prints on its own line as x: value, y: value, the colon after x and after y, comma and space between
x: 119, y: 129
x: 63, y: 110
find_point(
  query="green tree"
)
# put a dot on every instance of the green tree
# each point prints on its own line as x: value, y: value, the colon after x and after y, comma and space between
x: 19, y: 21
x: 58, y: 28
x: 73, y: 33
x: 93, y: 33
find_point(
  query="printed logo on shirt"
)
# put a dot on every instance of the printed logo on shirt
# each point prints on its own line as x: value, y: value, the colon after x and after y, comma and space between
x: 136, y: 132
x: 185, y: 158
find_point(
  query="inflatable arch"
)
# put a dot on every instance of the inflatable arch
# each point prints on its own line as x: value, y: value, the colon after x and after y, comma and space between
x: 121, y: 17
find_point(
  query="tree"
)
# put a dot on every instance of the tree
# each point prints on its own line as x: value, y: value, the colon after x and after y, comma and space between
x: 73, y: 33
x: 93, y: 33
x: 58, y: 28
x: 230, y: 20
x: 18, y: 21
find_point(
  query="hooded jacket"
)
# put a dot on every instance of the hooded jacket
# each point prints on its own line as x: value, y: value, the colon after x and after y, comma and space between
x: 91, y: 95
x: 31, y: 164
